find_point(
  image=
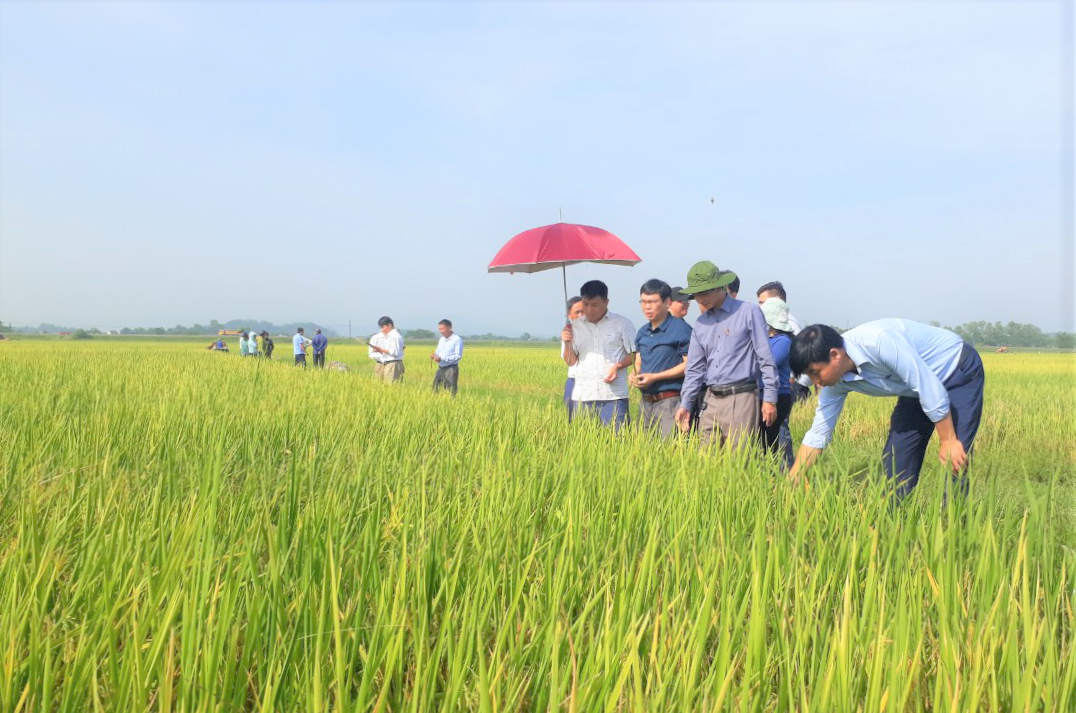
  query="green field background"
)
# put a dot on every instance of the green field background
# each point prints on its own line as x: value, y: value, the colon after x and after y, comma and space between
x: 187, y: 530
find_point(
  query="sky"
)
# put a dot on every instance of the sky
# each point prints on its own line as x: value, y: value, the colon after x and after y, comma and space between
x: 174, y: 162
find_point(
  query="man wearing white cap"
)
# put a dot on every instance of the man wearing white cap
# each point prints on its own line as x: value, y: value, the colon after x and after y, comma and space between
x: 775, y: 312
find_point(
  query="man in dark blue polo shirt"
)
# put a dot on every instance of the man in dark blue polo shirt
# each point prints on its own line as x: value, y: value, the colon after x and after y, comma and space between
x: 661, y: 358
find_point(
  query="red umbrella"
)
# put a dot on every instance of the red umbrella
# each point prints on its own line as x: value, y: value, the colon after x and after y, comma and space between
x: 560, y: 245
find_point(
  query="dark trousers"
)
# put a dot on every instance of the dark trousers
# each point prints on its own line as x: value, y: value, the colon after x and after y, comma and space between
x: 447, y: 377
x: 771, y: 435
x: 610, y: 413
x: 319, y: 359
x: 300, y: 360
x: 569, y: 386
x: 910, y: 429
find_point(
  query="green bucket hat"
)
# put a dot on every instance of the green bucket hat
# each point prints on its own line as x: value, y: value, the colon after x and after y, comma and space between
x: 705, y: 276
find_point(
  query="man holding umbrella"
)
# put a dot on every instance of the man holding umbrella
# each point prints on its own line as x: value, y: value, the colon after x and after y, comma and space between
x: 728, y: 353
x: 602, y: 346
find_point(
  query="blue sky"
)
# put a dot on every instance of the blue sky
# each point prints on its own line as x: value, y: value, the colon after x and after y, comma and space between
x: 173, y: 162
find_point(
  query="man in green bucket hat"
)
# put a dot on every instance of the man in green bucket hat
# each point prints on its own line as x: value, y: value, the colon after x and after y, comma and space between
x: 729, y: 358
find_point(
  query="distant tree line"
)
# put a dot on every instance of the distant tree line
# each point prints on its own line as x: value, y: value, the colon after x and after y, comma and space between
x: 487, y: 337
x: 995, y: 334
x: 1013, y: 334
x: 196, y: 329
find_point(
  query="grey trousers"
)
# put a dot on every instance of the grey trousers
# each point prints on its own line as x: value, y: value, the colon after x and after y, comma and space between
x: 660, y: 416
x: 447, y: 377
x: 729, y: 420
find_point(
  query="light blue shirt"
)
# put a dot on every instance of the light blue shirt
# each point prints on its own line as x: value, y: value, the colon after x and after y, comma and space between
x: 894, y: 357
x: 297, y: 344
x: 450, y: 349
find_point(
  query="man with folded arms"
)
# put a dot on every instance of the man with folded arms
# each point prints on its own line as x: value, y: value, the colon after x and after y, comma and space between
x: 659, y: 364
x: 729, y: 352
x: 936, y: 376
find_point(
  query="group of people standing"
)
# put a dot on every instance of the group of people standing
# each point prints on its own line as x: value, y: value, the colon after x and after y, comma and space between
x: 301, y: 344
x: 251, y: 344
x: 386, y: 348
x: 735, y: 375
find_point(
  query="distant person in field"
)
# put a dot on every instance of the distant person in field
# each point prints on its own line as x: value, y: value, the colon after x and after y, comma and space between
x: 575, y: 311
x: 936, y: 376
x: 780, y: 337
x: 662, y: 344
x: 679, y: 303
x: 602, y: 345
x: 268, y: 345
x: 298, y: 347
x: 800, y: 387
x: 252, y: 344
x: 448, y: 354
x: 320, y: 344
x: 387, y: 351
x: 244, y: 344
x: 260, y: 339
x: 729, y: 357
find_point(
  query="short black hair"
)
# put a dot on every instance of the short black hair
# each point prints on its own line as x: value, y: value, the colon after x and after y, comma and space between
x: 774, y: 286
x: 446, y: 322
x: 299, y: 330
x: 592, y: 289
x: 656, y: 287
x: 572, y: 303
x: 734, y: 286
x: 812, y: 345
x: 385, y: 320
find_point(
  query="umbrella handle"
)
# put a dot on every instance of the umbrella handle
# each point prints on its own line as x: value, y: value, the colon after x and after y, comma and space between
x: 564, y: 276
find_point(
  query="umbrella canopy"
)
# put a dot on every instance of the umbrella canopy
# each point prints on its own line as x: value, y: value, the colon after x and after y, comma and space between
x: 561, y: 244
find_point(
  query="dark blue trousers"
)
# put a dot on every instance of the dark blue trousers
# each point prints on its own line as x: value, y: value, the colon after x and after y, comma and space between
x: 569, y: 386
x: 610, y: 413
x: 910, y: 429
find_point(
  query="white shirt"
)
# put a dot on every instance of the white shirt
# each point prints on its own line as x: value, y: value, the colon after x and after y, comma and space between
x: 393, y: 341
x: 601, y: 346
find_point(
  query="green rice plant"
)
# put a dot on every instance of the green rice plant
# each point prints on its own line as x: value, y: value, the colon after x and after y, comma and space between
x: 189, y: 531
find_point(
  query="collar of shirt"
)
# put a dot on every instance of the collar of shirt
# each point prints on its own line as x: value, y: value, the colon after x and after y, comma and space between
x: 725, y: 307
x: 661, y: 327
x: 858, y: 358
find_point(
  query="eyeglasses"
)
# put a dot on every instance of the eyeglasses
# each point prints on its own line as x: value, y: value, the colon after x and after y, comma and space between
x: 647, y: 303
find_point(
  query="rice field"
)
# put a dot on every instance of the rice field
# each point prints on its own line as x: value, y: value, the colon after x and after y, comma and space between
x: 188, y: 531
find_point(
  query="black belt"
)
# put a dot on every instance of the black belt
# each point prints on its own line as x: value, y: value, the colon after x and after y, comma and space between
x: 740, y: 387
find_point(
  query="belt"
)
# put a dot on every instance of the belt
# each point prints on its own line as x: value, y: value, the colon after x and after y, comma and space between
x: 742, y: 387
x: 660, y: 396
